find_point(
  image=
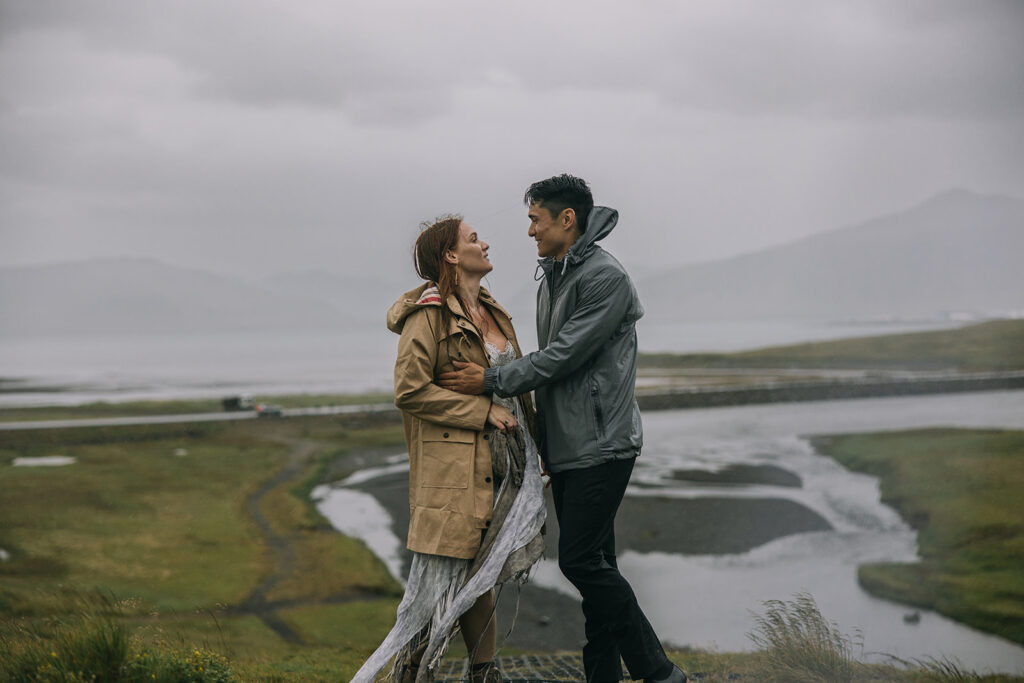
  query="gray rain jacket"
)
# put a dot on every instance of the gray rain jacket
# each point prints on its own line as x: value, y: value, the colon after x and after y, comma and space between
x: 584, y: 372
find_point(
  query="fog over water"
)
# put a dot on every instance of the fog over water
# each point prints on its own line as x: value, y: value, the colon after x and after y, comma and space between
x: 127, y: 367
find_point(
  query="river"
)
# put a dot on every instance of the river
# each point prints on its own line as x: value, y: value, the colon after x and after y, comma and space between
x: 706, y: 600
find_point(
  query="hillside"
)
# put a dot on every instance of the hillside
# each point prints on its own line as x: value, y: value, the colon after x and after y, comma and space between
x: 997, y: 345
x: 358, y: 300
x: 958, y: 251
x: 144, y: 295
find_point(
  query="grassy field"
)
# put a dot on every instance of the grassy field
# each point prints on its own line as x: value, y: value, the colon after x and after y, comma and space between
x: 990, y: 346
x: 961, y: 490
x: 160, y: 520
x: 191, y: 552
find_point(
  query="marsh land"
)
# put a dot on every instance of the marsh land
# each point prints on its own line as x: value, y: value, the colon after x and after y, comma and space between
x: 204, y: 538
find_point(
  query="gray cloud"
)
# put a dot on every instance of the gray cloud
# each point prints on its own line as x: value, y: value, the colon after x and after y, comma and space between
x: 872, y: 58
x: 261, y: 136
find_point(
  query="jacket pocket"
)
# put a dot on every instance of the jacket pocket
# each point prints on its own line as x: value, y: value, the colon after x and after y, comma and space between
x: 595, y: 398
x: 446, y: 457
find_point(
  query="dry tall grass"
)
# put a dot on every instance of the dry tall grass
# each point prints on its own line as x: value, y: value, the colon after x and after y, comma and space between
x: 799, y: 646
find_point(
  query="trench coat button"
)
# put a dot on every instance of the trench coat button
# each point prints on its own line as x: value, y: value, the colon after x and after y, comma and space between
x: 487, y: 437
x: 487, y: 523
x: 446, y: 435
x: 487, y: 479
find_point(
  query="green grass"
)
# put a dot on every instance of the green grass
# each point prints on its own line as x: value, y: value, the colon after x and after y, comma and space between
x: 990, y: 346
x: 168, y: 539
x: 796, y: 645
x: 136, y: 518
x: 352, y: 648
x: 93, y: 644
x: 961, y: 491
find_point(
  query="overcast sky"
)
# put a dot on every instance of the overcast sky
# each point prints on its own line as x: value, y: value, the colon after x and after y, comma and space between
x: 256, y: 136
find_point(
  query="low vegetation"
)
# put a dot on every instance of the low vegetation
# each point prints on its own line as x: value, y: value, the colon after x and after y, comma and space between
x: 97, y: 643
x: 154, y: 567
x: 158, y: 519
x: 796, y: 644
x: 960, y: 489
x: 990, y: 346
x: 93, y: 644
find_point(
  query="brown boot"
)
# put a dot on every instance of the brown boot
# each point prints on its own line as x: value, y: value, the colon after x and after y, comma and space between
x: 408, y: 674
x: 487, y: 672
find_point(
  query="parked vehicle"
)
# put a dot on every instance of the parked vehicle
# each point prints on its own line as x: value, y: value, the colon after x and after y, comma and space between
x: 243, y: 402
x: 269, y: 410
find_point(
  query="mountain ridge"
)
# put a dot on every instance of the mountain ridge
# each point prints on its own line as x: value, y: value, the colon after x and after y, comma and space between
x: 956, y: 251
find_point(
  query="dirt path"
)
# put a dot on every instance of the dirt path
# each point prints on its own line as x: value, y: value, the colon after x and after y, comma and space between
x: 555, y: 641
x: 283, y: 552
x: 546, y: 620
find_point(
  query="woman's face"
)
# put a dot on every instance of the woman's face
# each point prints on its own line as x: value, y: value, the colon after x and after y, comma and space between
x: 471, y: 252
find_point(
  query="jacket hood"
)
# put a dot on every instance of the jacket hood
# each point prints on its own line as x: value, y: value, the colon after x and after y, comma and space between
x: 600, y: 223
x: 409, y: 303
x: 428, y: 296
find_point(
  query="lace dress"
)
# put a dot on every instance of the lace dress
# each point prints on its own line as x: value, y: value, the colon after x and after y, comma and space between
x: 440, y: 589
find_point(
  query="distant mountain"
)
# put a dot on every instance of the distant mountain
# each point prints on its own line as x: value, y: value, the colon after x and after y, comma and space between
x: 144, y: 295
x: 956, y: 252
x: 357, y: 299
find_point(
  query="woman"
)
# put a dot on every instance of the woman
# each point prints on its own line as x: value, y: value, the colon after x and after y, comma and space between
x: 475, y: 490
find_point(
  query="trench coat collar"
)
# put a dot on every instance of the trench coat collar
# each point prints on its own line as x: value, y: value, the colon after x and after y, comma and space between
x: 501, y: 316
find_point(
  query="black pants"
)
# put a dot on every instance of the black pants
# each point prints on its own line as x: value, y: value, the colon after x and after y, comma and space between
x: 586, y: 501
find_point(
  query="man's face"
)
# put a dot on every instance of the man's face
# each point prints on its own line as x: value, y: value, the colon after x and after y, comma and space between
x: 550, y: 233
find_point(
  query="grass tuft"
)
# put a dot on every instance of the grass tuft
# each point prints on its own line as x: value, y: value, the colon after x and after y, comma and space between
x: 91, y: 644
x: 946, y: 669
x: 798, y: 645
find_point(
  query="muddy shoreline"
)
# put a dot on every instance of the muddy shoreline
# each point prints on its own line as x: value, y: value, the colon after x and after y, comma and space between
x: 547, y: 620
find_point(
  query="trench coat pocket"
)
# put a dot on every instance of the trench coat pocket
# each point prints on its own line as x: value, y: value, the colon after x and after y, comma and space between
x: 446, y: 457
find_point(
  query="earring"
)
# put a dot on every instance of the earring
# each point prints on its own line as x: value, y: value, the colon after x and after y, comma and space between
x: 456, y: 277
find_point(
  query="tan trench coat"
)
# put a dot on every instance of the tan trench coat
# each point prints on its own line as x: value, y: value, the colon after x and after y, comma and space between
x: 450, y: 488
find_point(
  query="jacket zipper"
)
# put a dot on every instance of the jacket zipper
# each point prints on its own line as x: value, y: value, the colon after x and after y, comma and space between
x: 598, y: 415
x: 551, y: 303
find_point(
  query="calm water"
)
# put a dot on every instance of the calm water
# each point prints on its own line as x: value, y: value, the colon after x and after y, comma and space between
x: 211, y: 365
x: 706, y: 601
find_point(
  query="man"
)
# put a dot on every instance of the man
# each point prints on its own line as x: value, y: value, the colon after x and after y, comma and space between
x: 588, y: 422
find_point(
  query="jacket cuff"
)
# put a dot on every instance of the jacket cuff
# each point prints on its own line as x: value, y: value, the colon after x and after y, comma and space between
x: 480, y: 412
x: 490, y: 380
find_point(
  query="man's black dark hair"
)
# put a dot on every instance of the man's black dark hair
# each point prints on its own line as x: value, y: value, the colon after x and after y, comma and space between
x: 561, y: 192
